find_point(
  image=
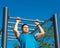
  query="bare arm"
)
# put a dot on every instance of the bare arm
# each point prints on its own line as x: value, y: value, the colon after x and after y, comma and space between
x: 41, y: 31
x: 16, y: 28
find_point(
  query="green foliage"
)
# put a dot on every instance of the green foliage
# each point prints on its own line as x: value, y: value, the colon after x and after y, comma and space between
x: 44, y: 42
x: 16, y: 45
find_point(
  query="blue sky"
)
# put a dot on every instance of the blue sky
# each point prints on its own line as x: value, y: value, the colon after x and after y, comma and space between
x: 32, y: 9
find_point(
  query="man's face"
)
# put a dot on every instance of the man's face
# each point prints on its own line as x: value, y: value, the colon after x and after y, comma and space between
x: 25, y: 29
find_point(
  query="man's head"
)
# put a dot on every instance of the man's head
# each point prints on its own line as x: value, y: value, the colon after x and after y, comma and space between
x: 25, y: 28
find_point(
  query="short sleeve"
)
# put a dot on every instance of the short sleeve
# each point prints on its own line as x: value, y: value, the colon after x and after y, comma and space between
x: 35, y: 37
x: 18, y: 38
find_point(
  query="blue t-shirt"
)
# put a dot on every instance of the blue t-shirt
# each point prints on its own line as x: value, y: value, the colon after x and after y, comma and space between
x: 27, y: 41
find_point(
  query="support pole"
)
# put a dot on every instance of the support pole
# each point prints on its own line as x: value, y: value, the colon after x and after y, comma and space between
x: 4, y: 27
x: 56, y: 35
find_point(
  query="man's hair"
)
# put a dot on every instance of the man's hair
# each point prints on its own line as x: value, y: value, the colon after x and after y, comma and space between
x: 23, y: 26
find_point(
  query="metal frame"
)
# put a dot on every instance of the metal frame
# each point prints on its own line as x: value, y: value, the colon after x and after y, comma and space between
x: 4, y: 27
x: 5, y: 23
x: 56, y: 35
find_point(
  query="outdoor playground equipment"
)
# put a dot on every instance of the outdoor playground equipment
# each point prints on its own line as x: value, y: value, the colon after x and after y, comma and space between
x: 5, y: 27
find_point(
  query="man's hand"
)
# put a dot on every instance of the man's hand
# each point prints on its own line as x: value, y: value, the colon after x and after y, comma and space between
x: 36, y: 22
x: 18, y: 19
x: 41, y: 31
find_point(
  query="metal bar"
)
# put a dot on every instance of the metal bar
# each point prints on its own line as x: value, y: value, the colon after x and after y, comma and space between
x: 13, y: 31
x: 9, y: 34
x: 18, y: 27
x: 55, y: 23
x: 9, y: 39
x: 23, y: 19
x: 41, y: 25
x: 21, y: 23
x: 4, y: 27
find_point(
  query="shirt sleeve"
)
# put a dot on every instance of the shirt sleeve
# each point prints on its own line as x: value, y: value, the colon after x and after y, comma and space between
x: 18, y: 38
x: 35, y: 37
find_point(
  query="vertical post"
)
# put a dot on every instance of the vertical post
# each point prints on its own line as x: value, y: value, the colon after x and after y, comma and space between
x: 4, y: 27
x: 55, y: 23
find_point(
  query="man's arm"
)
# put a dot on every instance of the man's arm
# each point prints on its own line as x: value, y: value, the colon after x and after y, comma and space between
x: 41, y: 31
x: 16, y: 28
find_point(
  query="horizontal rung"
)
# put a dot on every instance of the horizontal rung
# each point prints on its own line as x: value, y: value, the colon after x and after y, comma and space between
x: 18, y: 27
x: 23, y: 19
x: 9, y: 34
x: 21, y: 23
x: 13, y: 31
x: 9, y: 39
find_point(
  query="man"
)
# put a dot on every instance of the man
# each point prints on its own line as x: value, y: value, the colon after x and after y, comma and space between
x: 27, y: 40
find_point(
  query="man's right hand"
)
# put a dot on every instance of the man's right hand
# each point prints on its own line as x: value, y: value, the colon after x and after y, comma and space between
x: 18, y: 19
x: 16, y: 27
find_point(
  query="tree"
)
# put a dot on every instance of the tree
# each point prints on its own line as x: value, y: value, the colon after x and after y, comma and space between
x: 43, y: 42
